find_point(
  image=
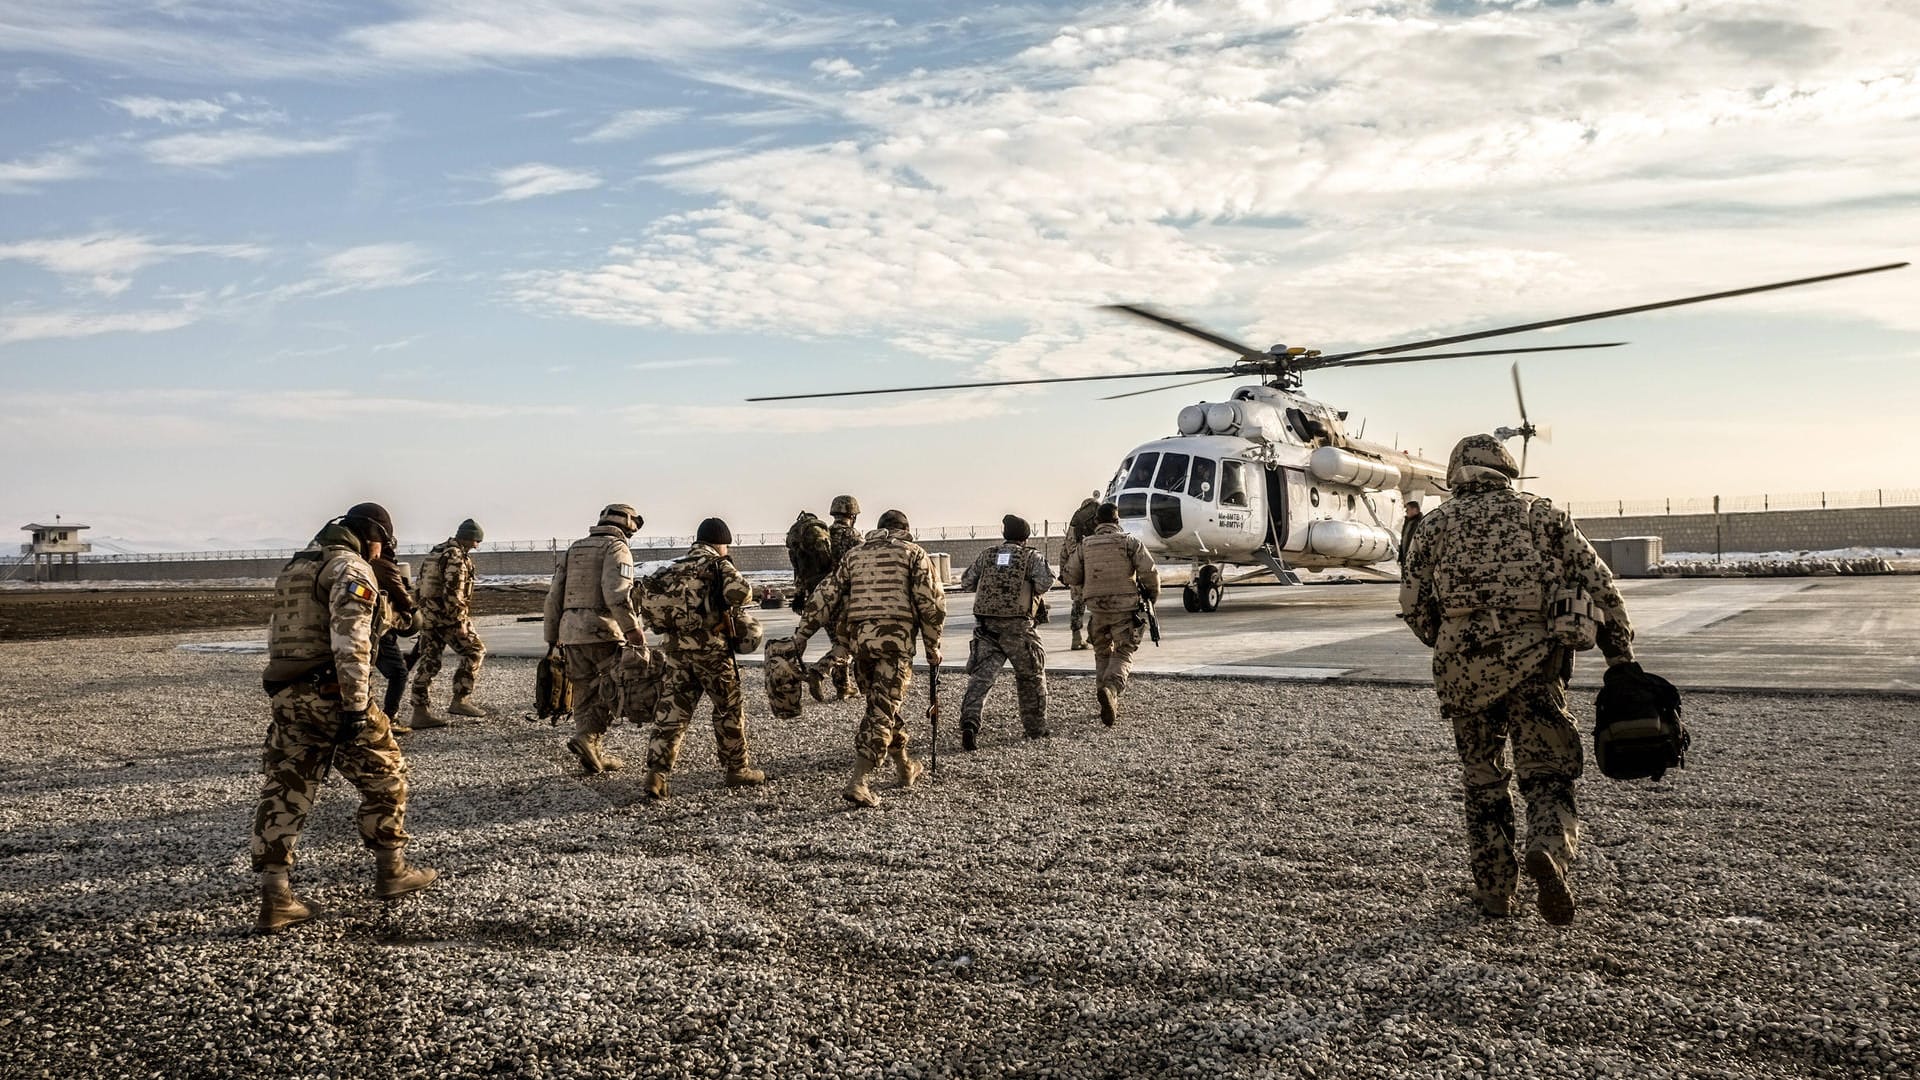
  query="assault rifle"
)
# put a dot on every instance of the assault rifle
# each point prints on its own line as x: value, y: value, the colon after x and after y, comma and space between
x: 1153, y: 620
x: 717, y: 605
x: 933, y: 709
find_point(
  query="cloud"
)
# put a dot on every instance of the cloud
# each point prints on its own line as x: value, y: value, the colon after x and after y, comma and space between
x: 359, y: 269
x: 170, y: 111
x: 26, y: 174
x: 154, y: 417
x: 213, y: 149
x: 632, y: 122
x: 41, y: 325
x: 836, y: 68
x: 110, y: 259
x: 687, y: 362
x: 535, y: 180
x: 812, y: 419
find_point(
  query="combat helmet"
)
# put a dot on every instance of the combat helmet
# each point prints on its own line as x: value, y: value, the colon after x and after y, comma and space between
x: 844, y: 506
x: 1481, y: 451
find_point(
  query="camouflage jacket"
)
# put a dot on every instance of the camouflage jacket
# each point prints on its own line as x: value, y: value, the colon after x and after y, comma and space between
x: 885, y: 592
x: 1007, y: 580
x: 844, y: 537
x: 1079, y: 527
x: 697, y: 576
x: 1480, y: 572
x: 446, y: 585
x: 591, y: 596
x: 327, y: 607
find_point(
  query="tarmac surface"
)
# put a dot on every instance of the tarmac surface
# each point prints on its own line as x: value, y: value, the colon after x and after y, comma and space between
x: 1791, y: 635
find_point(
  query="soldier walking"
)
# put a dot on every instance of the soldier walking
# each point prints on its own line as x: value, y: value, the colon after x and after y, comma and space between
x: 446, y: 619
x: 844, y: 536
x: 1008, y: 582
x: 1079, y: 527
x: 327, y: 612
x: 1505, y: 588
x: 884, y: 592
x: 387, y: 658
x: 1114, y: 575
x: 589, y: 615
x: 702, y: 598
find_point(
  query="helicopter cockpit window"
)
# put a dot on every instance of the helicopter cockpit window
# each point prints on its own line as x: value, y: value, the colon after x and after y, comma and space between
x: 1133, y: 504
x: 1173, y: 473
x: 1233, y: 483
x: 1201, y: 484
x: 1141, y: 474
x: 1119, y: 475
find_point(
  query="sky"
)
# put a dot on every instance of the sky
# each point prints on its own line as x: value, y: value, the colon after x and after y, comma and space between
x: 515, y: 259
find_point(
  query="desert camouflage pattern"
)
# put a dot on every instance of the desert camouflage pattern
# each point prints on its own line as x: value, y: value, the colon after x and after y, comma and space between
x: 886, y: 677
x: 593, y: 673
x: 327, y: 606
x: 786, y: 677
x: 692, y: 675
x: 292, y: 759
x: 1079, y: 527
x: 641, y: 679
x: 689, y: 582
x: 1115, y: 637
x: 434, y: 641
x: 844, y: 536
x: 1111, y: 570
x: 590, y: 598
x: 837, y: 664
x: 1479, y: 573
x: 998, y: 641
x: 1007, y: 580
x: 446, y: 585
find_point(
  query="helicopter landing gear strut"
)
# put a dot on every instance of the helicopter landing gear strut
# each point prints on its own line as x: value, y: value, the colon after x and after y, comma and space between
x: 1205, y: 592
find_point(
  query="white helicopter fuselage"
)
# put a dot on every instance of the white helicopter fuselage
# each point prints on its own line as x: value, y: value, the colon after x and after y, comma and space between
x: 1268, y: 476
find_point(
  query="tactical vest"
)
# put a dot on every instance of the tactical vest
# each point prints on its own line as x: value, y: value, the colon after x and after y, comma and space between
x: 586, y: 560
x: 301, y: 628
x: 879, y: 581
x: 1106, y: 566
x: 1490, y: 559
x: 433, y: 574
x: 1004, y: 589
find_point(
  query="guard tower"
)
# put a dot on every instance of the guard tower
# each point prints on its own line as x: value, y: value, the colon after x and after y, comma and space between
x: 55, y: 550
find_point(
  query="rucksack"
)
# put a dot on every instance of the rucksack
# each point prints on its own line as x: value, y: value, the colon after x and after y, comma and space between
x: 673, y: 600
x: 809, y: 550
x: 552, y: 693
x: 1637, y: 731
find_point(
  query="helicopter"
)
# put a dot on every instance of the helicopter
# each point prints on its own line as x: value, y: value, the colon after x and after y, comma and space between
x: 1269, y: 481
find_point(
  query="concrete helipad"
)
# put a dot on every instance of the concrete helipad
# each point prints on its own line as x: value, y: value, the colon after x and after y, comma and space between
x: 1845, y: 634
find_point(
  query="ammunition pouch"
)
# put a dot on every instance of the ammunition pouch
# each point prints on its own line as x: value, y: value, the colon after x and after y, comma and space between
x: 1637, y: 730
x: 281, y: 675
x: 1573, y: 618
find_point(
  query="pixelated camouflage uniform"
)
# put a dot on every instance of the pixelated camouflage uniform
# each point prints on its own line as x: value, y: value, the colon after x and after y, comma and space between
x: 1007, y: 582
x: 327, y: 612
x: 1480, y: 572
x: 700, y: 661
x: 589, y: 614
x: 1079, y: 527
x: 446, y: 619
x: 837, y: 663
x: 884, y: 593
x: 1111, y: 571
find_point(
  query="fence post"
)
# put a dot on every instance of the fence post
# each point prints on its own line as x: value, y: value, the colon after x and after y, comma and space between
x: 1669, y: 505
x: 1823, y: 500
x: 1620, y: 508
x: 1716, y: 528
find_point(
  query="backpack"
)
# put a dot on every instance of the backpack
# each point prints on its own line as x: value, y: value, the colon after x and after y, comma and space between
x: 552, y: 693
x: 1637, y: 731
x: 809, y: 550
x: 673, y: 600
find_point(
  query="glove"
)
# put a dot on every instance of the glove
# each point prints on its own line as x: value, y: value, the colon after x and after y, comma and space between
x: 637, y: 638
x: 934, y: 657
x: 797, y: 604
x: 352, y: 723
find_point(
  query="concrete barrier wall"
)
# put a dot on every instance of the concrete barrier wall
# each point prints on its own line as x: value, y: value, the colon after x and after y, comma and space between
x: 1771, y: 530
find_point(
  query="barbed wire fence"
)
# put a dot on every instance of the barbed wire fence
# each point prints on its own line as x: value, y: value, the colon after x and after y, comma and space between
x: 1861, y: 499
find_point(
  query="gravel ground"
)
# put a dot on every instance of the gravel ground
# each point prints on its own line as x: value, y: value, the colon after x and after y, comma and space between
x: 1242, y: 879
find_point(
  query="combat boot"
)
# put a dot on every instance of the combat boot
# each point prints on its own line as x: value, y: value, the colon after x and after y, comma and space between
x: 906, y: 771
x: 1497, y: 905
x: 969, y: 739
x: 463, y: 706
x: 745, y: 776
x: 586, y: 748
x: 657, y: 785
x: 1556, y: 899
x: 1079, y: 640
x: 1109, y: 705
x: 279, y: 908
x: 816, y: 684
x: 857, y: 791
x: 393, y: 878
x: 422, y: 716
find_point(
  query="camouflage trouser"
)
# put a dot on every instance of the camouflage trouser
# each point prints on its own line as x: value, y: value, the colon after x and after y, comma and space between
x: 1114, y: 636
x: 641, y: 684
x: 691, y: 675
x: 885, y: 675
x: 838, y: 661
x: 998, y: 641
x: 593, y: 675
x: 433, y: 641
x: 1077, y: 618
x: 298, y: 739
x: 1547, y: 755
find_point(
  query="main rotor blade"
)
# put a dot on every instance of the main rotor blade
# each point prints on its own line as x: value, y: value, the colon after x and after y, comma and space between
x: 1172, y: 323
x: 1519, y: 397
x: 1571, y: 319
x: 1317, y: 362
x: 1003, y: 382
x: 1157, y: 389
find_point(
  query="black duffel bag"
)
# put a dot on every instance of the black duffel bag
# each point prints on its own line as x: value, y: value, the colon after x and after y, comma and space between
x: 1637, y: 731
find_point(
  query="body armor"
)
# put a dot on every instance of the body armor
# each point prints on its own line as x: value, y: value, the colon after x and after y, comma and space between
x: 1484, y: 570
x: 586, y: 559
x: 878, y: 581
x: 301, y: 627
x: 1005, y: 588
x: 1106, y: 564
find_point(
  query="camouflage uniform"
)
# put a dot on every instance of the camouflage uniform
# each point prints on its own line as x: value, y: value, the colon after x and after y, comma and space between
x: 786, y: 677
x: 388, y: 660
x: 1007, y: 582
x: 589, y: 614
x: 1111, y: 571
x: 1079, y: 527
x: 835, y: 665
x: 446, y: 618
x: 327, y: 611
x: 1480, y: 574
x: 700, y: 663
x: 883, y: 592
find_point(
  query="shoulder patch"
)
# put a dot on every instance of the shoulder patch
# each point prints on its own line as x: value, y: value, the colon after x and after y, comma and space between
x: 360, y: 591
x: 626, y: 569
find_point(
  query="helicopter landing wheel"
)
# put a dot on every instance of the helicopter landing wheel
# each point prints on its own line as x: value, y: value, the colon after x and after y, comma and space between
x: 1209, y: 591
x: 1190, y: 598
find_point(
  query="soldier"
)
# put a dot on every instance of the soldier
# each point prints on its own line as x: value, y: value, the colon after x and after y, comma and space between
x: 327, y: 611
x: 1407, y: 526
x: 1504, y: 587
x: 589, y: 614
x: 446, y: 617
x: 387, y: 658
x: 1008, y: 582
x: 883, y: 592
x: 1079, y: 527
x: 703, y: 597
x: 844, y: 537
x: 1113, y: 574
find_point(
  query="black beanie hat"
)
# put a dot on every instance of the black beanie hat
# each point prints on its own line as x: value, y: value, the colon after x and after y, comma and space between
x: 370, y: 521
x: 1014, y: 527
x: 1108, y: 514
x: 714, y: 531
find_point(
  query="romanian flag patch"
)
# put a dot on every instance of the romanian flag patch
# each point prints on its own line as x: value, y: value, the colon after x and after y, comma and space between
x: 361, y: 591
